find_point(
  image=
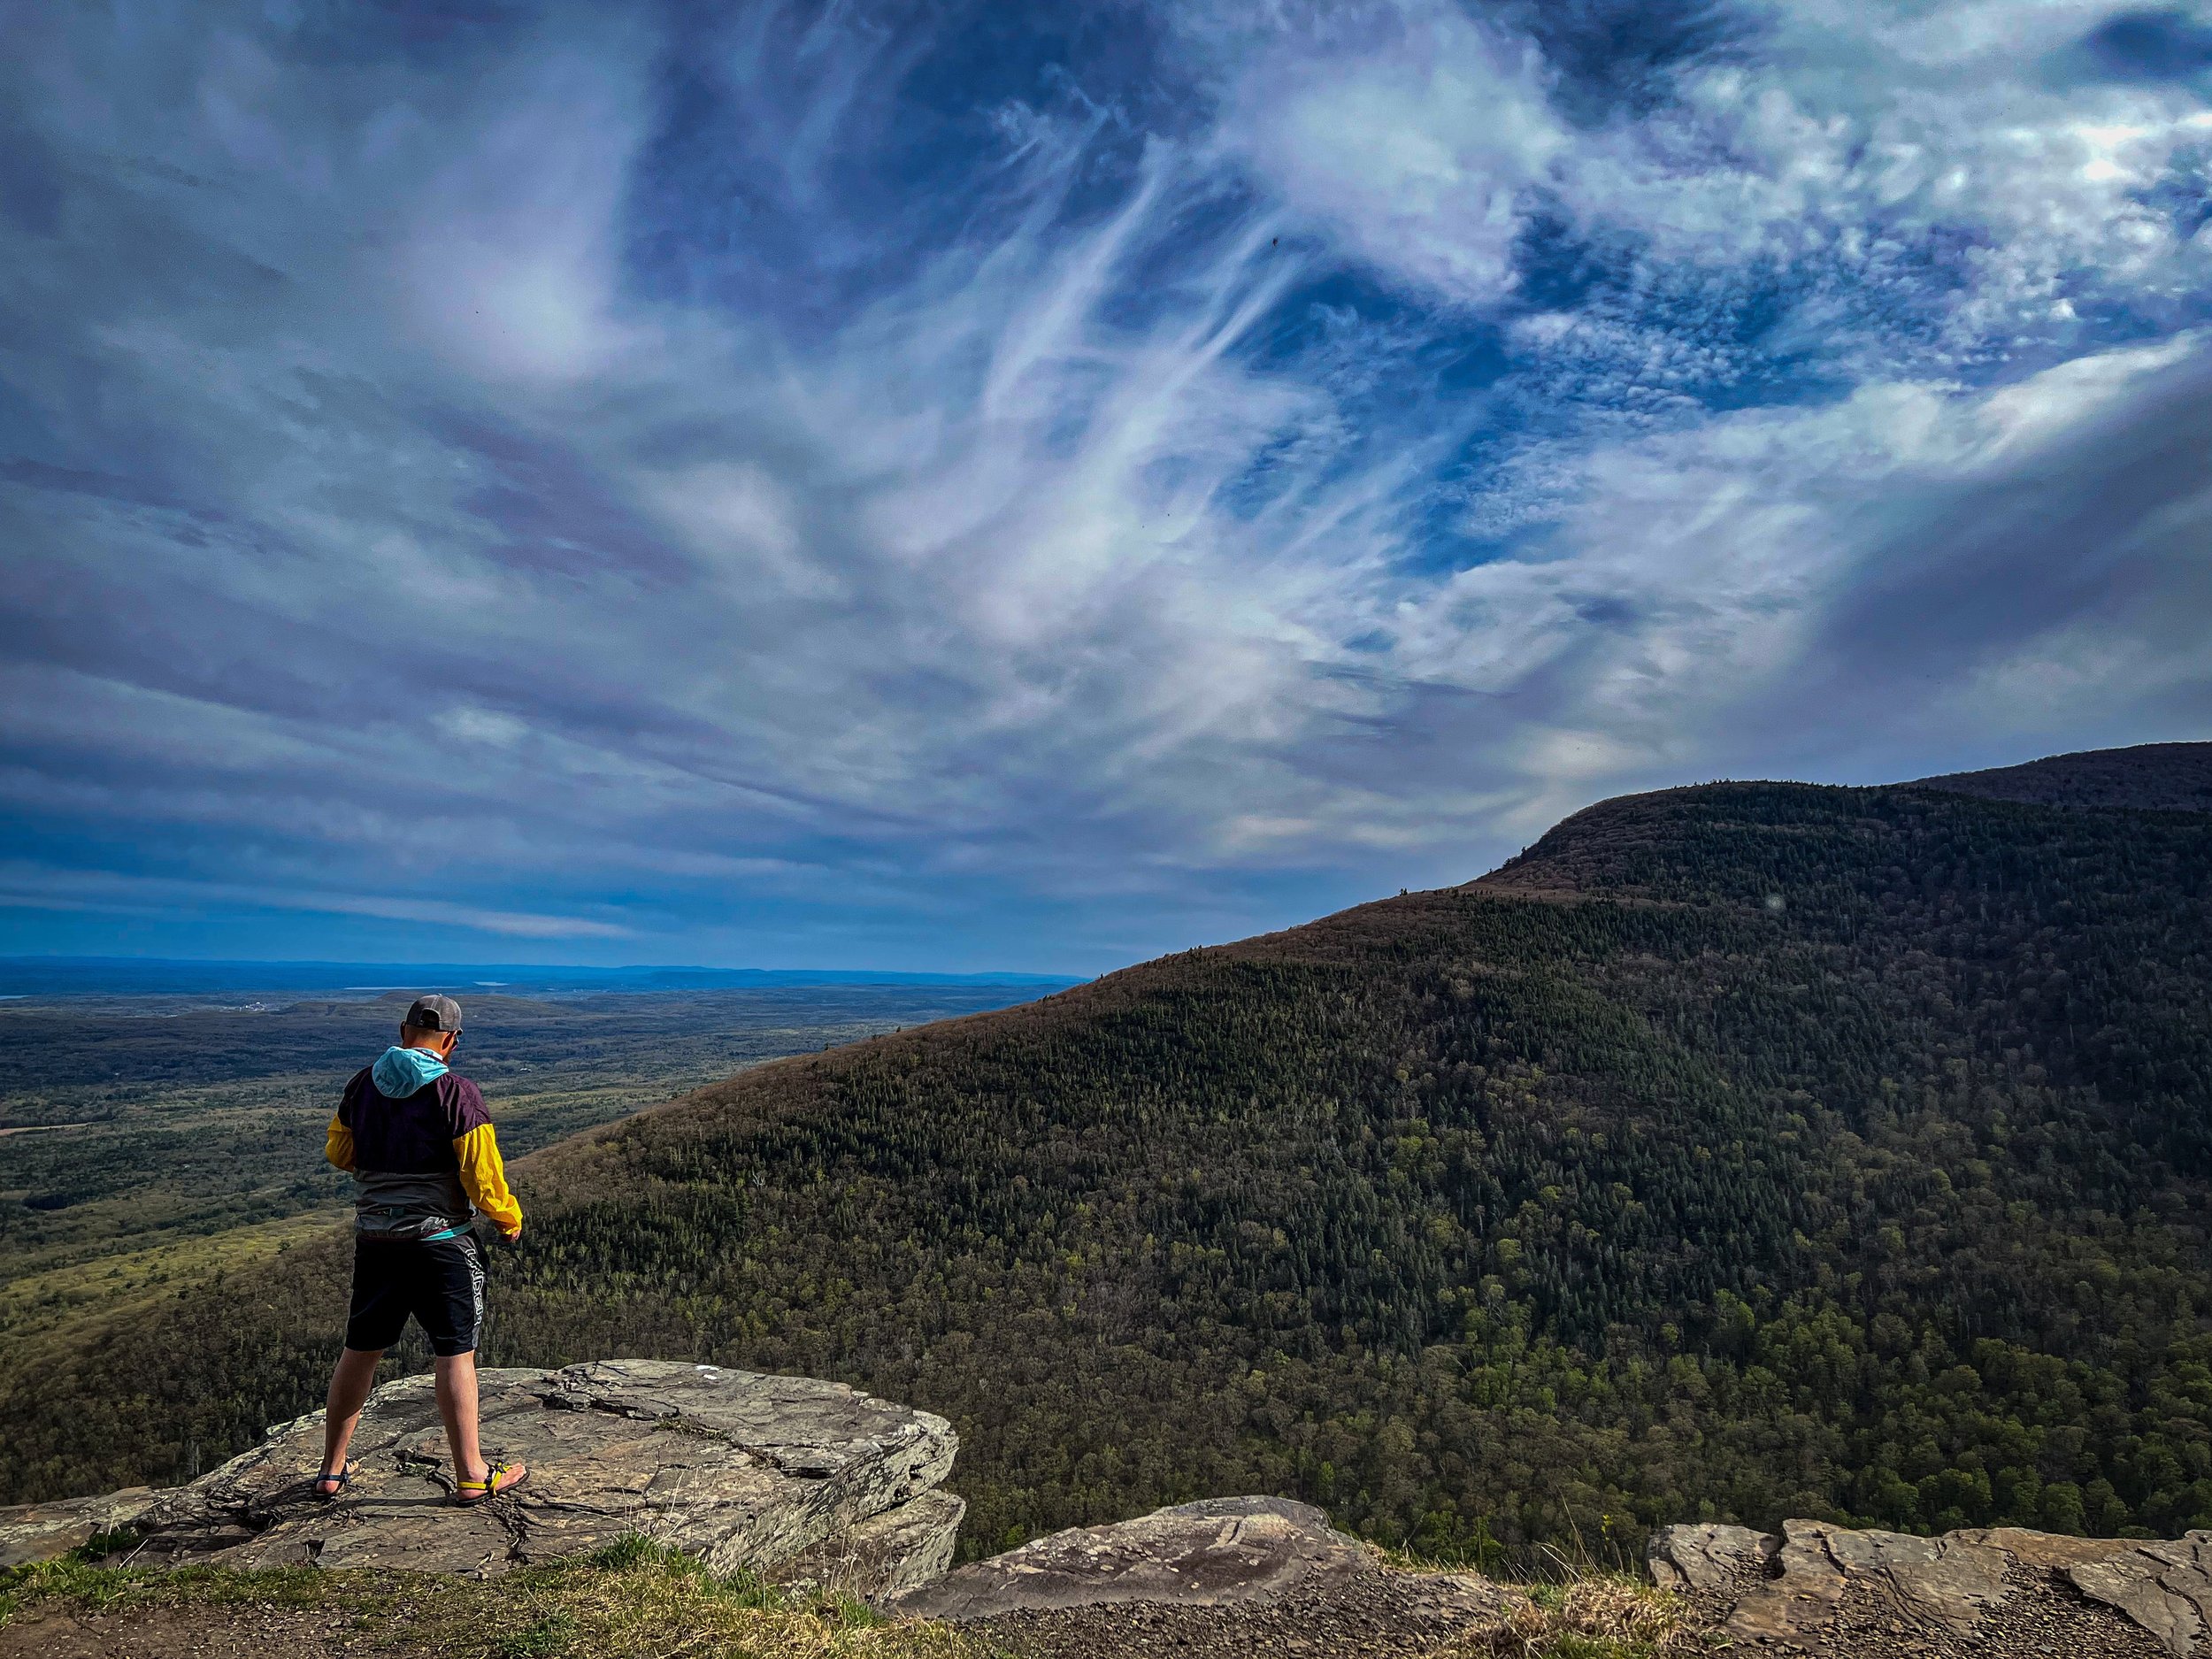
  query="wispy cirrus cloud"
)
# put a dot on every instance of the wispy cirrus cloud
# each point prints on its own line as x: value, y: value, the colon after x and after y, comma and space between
x: 809, y: 487
x: 50, y: 887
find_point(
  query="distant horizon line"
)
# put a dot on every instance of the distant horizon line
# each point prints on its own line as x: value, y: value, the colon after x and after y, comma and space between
x: 66, y: 959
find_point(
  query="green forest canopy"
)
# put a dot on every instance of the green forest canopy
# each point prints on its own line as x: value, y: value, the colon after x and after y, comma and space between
x: 1737, y: 1152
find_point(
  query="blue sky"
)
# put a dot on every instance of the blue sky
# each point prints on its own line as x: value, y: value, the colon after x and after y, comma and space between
x: 948, y: 487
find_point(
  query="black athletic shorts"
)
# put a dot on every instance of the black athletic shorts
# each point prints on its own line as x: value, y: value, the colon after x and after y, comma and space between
x: 440, y: 1281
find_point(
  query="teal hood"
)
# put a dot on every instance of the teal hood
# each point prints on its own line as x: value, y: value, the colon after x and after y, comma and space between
x: 399, y: 1072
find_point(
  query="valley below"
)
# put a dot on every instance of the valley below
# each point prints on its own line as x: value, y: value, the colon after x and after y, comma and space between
x: 152, y: 1139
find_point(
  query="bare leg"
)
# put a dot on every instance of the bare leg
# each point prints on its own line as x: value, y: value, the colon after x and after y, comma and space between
x: 457, y: 1404
x: 350, y: 1386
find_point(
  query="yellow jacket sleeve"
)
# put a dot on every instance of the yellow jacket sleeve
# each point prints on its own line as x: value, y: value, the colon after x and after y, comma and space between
x: 484, y: 1178
x: 338, y: 1144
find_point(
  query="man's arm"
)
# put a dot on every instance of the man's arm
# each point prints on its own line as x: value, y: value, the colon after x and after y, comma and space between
x: 476, y: 1145
x: 484, y: 1178
x: 338, y: 1138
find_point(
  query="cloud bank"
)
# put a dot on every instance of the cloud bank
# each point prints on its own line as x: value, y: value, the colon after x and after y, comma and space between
x: 838, y: 486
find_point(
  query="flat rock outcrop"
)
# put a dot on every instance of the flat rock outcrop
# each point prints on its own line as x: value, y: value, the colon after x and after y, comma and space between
x: 1194, y: 1555
x: 740, y: 1469
x: 1225, y: 1578
x: 1831, y: 1590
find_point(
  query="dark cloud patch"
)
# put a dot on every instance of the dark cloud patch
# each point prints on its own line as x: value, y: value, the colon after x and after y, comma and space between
x: 31, y: 192
x: 2103, y: 530
x: 2161, y: 44
x: 82, y: 482
x: 549, y: 514
x: 1428, y: 725
x: 1609, y: 610
x: 1613, y: 57
x: 157, y: 634
x: 2181, y: 193
x: 346, y: 34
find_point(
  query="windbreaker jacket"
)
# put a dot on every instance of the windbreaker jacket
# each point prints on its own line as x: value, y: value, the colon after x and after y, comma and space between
x: 421, y: 1162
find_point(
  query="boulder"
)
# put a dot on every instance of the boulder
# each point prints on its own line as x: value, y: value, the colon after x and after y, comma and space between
x: 741, y: 1469
x: 40, y: 1531
x: 1209, y: 1554
x: 1708, y: 1557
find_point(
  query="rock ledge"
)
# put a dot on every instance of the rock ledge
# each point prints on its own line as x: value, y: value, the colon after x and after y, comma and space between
x: 786, y: 1476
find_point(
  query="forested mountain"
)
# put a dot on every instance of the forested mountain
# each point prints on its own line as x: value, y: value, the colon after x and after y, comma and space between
x: 2151, y: 777
x: 1742, y: 1150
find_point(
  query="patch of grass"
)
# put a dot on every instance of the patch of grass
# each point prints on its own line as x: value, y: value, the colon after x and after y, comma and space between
x: 642, y: 1601
x: 637, y: 1600
x: 1584, y: 1608
x: 543, y: 1637
x: 74, y: 1580
x: 63, y: 1581
x: 1584, y: 1614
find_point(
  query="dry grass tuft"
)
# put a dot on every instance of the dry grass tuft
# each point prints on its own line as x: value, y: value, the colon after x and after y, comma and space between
x: 1589, y: 1615
x: 642, y: 1601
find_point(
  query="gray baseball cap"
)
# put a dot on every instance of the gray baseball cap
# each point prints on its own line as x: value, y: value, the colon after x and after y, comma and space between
x: 435, y: 1013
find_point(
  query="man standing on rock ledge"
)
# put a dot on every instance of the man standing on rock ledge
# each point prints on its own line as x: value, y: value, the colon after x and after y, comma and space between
x: 416, y: 1137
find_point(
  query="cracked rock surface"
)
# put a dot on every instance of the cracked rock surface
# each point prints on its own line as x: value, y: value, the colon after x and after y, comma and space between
x: 2166, y: 1588
x: 740, y: 1469
x: 1997, y: 1590
x: 886, y: 1556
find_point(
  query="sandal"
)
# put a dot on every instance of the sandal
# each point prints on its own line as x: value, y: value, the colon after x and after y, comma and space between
x: 331, y: 1484
x: 498, y: 1478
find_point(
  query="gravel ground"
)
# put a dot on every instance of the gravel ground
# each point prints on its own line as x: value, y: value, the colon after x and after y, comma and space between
x: 2041, y: 1618
x: 1375, y: 1615
x: 1379, y: 1615
x: 1392, y: 1616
